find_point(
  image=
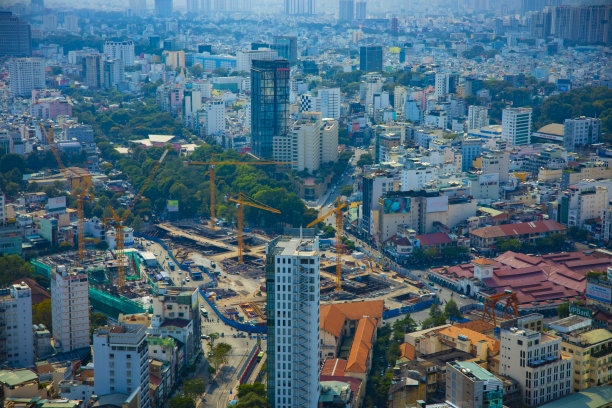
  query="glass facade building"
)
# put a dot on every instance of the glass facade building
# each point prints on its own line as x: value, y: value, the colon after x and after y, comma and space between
x: 269, y: 103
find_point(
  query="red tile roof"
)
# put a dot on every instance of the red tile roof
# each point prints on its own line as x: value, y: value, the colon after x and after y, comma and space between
x: 362, y: 344
x: 438, y: 238
x: 522, y: 228
x: 334, y: 367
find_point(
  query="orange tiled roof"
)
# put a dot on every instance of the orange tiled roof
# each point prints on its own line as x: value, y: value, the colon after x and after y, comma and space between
x: 476, y: 325
x: 407, y: 351
x: 362, y: 344
x: 473, y: 336
x: 483, y: 261
x: 333, y: 315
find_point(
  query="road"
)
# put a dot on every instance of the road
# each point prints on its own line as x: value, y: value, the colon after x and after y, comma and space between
x: 222, y: 386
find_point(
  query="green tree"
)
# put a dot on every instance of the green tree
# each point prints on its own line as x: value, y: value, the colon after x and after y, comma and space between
x: 182, y: 401
x: 563, y: 310
x: 452, y: 310
x: 196, y: 70
x: 194, y: 388
x: 509, y: 244
x: 13, y: 268
x: 403, y: 326
x: 252, y: 396
x: 219, y: 355
x: 41, y: 313
x: 346, y: 190
x: 365, y: 160
x: 436, y: 317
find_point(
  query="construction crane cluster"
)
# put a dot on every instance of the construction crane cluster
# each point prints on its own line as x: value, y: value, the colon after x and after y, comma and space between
x: 118, y: 222
x: 212, y: 172
x: 241, y: 200
x: 337, y: 211
x: 79, y: 181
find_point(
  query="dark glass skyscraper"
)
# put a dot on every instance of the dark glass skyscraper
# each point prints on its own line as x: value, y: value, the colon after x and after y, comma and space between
x: 286, y: 46
x: 269, y: 103
x: 371, y: 58
x: 15, y: 36
x: 163, y: 8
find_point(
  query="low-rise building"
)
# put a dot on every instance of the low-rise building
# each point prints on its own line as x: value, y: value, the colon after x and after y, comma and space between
x: 468, y: 385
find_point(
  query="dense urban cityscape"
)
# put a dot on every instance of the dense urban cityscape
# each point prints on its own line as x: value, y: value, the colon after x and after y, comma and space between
x: 306, y: 203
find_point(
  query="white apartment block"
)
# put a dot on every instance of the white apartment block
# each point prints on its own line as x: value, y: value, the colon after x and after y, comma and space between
x: 213, y: 117
x: 26, y: 74
x: 371, y: 84
x: 192, y: 102
x: 121, y: 361
x: 496, y: 162
x: 586, y: 203
x: 16, y: 335
x: 534, y: 359
x: 70, y: 308
x: 516, y: 126
x: 582, y: 131
x: 441, y: 85
x: 328, y: 143
x: 415, y: 179
x: 327, y: 102
x: 244, y: 59
x: 478, y: 117
x: 293, y: 322
x: 310, y: 143
x: 121, y: 50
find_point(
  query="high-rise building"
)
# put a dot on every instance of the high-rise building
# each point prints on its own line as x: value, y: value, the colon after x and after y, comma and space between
x: 27, y: 74
x: 71, y: 23
x: 299, y: 7
x: 16, y: 336
x: 15, y: 36
x: 114, y: 73
x: 535, y: 361
x: 269, y: 103
x: 346, y: 10
x: 138, y: 7
x: 478, y: 117
x: 581, y: 131
x: 471, y: 147
x: 468, y: 385
x: 374, y: 186
x: 121, y: 361
x: 516, y: 126
x: 37, y: 6
x: 310, y: 143
x: 93, y: 70
x: 163, y: 8
x: 360, y: 10
x: 441, y: 85
x: 121, y: 50
x: 70, y: 308
x: 292, y: 283
x: 327, y: 102
x: 286, y: 46
x: 244, y: 58
x: 496, y: 162
x: 371, y: 58
x: 214, y: 117
x: 583, y: 24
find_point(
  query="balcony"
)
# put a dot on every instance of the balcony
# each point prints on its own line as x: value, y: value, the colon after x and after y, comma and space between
x: 542, y: 362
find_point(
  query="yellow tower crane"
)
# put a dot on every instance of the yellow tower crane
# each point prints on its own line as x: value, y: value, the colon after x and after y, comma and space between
x: 212, y: 163
x: 242, y: 200
x: 338, y: 213
x: 79, y: 181
x: 118, y: 222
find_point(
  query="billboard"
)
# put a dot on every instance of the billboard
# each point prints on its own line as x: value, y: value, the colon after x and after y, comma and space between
x: 56, y: 202
x: 398, y: 205
x: 437, y: 204
x: 488, y: 179
x: 172, y: 206
x: 599, y: 292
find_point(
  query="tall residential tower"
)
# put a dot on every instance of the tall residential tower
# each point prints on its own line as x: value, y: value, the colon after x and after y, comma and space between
x: 292, y: 283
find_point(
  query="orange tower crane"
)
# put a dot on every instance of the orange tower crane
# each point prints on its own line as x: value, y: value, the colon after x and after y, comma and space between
x: 118, y: 222
x: 241, y: 200
x: 212, y: 163
x: 338, y: 213
x: 79, y: 181
x: 488, y: 312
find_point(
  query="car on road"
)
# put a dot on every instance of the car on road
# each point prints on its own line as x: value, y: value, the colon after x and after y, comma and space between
x: 187, y: 279
x: 463, y: 297
x: 205, y: 337
x: 167, y: 257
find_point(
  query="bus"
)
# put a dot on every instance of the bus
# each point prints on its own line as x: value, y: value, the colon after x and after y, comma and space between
x: 171, y: 265
x: 260, y: 356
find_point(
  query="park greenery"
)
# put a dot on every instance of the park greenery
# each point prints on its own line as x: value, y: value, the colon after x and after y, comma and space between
x: 438, y: 317
x: 252, y: 396
x: 13, y: 268
x: 218, y: 354
x: 553, y: 242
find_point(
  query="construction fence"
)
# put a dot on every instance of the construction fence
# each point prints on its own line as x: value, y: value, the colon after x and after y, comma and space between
x: 249, y: 328
x: 417, y: 307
